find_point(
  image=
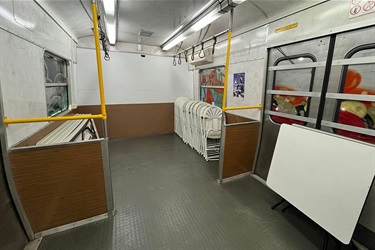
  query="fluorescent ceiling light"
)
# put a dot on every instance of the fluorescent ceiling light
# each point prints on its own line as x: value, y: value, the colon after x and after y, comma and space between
x: 206, y: 20
x: 203, y: 17
x: 174, y: 42
x: 174, y: 33
x: 109, y: 7
x: 111, y: 33
x: 203, y: 22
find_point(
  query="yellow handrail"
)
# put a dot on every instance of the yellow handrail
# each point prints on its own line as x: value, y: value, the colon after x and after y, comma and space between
x: 224, y: 104
x: 243, y: 107
x: 49, y: 119
x: 103, y: 115
x: 98, y: 60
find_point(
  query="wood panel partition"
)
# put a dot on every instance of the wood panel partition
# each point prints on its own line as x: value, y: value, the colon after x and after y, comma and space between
x: 60, y: 184
x: 134, y: 120
x: 240, y: 143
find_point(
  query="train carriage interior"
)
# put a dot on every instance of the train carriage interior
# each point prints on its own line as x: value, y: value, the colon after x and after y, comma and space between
x: 187, y: 124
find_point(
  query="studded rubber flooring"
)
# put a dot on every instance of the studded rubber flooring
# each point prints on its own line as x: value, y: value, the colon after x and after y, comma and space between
x: 166, y: 197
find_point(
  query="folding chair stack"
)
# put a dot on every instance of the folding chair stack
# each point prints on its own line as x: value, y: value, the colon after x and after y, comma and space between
x: 199, y: 125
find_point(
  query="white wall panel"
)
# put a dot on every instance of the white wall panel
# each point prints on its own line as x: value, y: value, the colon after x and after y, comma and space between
x: 254, y: 78
x: 25, y: 32
x: 22, y: 84
x: 40, y: 28
x: 130, y: 78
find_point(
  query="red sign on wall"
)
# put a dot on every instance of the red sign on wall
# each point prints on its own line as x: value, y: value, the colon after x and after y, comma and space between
x: 361, y: 7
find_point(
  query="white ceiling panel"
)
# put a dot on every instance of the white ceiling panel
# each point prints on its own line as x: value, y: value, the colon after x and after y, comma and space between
x: 160, y: 17
x: 163, y: 16
x: 72, y: 14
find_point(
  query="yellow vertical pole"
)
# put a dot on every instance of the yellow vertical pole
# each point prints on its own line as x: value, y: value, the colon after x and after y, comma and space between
x: 227, y: 61
x: 98, y: 60
x: 224, y: 105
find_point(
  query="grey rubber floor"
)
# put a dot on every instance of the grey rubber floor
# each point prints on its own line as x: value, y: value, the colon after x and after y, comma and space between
x: 166, y: 197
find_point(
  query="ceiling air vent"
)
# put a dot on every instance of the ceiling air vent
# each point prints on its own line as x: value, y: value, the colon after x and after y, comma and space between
x: 145, y: 33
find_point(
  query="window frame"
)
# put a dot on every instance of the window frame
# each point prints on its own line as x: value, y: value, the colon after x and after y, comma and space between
x: 313, y: 69
x: 344, y: 72
x: 341, y: 86
x: 66, y: 73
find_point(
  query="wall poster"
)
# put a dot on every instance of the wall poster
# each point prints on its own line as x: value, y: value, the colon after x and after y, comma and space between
x: 212, y: 85
x: 239, y: 85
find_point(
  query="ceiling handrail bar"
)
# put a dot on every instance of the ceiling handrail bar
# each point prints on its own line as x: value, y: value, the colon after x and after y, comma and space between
x: 214, y: 37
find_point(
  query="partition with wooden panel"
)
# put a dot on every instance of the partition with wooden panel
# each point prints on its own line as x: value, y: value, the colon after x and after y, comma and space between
x: 239, y: 141
x: 61, y: 185
x: 134, y: 120
x: 33, y: 139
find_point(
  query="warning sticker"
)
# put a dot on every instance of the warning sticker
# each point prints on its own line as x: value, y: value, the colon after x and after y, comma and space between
x: 361, y: 7
x: 288, y: 27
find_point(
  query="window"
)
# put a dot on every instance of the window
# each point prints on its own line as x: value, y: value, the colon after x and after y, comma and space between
x: 212, y: 85
x: 56, y: 78
x: 292, y: 80
x: 357, y: 81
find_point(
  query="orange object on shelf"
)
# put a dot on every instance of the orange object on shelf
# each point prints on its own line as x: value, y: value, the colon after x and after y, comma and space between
x: 353, y: 79
x: 294, y: 100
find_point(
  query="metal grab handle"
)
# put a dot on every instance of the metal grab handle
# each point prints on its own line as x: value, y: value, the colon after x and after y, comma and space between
x: 186, y: 58
x: 179, y: 59
x: 202, y: 51
x: 213, y: 45
x: 174, y: 60
x: 192, y: 53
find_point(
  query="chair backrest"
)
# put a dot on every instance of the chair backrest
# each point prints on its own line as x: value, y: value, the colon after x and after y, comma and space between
x: 212, y: 121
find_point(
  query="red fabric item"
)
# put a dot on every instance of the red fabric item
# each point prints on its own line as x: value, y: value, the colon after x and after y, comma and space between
x: 348, y: 118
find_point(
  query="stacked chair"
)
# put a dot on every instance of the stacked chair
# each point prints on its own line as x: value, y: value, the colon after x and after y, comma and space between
x: 199, y: 125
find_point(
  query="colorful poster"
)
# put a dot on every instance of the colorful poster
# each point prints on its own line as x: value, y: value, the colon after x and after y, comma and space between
x: 212, y: 85
x: 212, y: 96
x: 239, y: 85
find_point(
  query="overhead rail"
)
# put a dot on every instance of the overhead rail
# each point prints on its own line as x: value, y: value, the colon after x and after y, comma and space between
x: 201, y: 44
x: 206, y: 15
x: 227, y: 60
x: 103, y: 114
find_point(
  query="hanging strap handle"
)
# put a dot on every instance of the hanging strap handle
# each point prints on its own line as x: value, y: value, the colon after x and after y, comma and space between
x: 213, y: 46
x: 201, y: 53
x: 185, y: 53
